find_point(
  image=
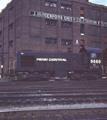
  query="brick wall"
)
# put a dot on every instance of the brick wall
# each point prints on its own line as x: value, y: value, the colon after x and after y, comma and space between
x: 29, y: 33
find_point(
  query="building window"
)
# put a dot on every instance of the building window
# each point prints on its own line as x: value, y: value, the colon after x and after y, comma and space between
x: 66, y: 24
x: 11, y: 26
x: 95, y: 30
x: 50, y: 3
x: 11, y: 9
x: 66, y: 42
x: 95, y: 14
x: 10, y: 43
x: 0, y: 47
x: 0, y: 19
x: 50, y: 22
x: 105, y: 45
x: 95, y: 44
x: 0, y: 59
x: 105, y: 31
x: 82, y: 42
x: 81, y: 11
x: 50, y: 40
x: 105, y: 16
x: 66, y: 6
x: 0, y: 33
x: 82, y: 29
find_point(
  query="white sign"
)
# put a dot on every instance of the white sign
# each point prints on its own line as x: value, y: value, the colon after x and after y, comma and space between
x: 67, y: 18
x: 51, y: 59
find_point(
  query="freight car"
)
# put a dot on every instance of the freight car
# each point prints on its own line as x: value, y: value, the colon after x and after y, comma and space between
x: 83, y: 65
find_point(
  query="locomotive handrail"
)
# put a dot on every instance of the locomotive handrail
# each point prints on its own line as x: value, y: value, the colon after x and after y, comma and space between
x: 14, y: 66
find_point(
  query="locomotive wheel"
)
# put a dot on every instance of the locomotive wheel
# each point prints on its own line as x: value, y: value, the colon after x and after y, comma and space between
x: 75, y: 76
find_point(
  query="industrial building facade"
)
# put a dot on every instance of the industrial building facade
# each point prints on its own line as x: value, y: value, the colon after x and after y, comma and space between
x: 50, y: 25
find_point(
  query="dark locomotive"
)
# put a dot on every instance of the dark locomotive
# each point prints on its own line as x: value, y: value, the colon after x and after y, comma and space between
x: 87, y: 64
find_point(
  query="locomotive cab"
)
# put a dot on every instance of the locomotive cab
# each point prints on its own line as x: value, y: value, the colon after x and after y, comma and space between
x: 92, y: 59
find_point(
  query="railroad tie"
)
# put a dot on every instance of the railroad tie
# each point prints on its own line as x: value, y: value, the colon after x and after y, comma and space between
x: 66, y: 117
x: 53, y: 117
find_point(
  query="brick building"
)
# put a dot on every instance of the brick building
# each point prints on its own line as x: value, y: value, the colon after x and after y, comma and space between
x: 50, y: 25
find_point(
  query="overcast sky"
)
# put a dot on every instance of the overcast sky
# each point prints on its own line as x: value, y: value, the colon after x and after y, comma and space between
x: 4, y: 2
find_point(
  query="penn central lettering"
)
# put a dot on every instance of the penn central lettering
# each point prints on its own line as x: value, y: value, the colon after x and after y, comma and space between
x: 51, y: 59
x: 67, y: 18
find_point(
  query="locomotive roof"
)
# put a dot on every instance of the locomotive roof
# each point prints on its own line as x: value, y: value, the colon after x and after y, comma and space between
x: 90, y: 50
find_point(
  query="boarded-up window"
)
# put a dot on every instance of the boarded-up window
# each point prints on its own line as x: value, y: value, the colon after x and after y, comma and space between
x: 95, y: 30
x: 95, y: 14
x: 95, y: 44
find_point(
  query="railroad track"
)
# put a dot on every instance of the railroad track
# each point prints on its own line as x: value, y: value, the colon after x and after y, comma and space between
x: 52, y: 96
x: 56, y: 114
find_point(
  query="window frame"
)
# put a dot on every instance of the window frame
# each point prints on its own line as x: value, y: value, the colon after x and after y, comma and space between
x: 50, y: 3
x: 82, y: 11
x: 50, y: 22
x: 11, y: 9
x: 95, y: 29
x: 1, y: 33
x: 50, y: 40
x: 82, y: 29
x: 64, y: 41
x: 11, y: 26
x: 67, y: 24
x: 10, y: 43
x: 65, y: 6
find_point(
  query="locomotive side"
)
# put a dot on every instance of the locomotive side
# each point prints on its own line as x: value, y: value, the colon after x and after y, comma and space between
x: 86, y: 64
x: 104, y: 67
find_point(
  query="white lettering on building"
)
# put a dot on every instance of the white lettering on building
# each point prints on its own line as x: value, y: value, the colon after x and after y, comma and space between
x: 67, y: 18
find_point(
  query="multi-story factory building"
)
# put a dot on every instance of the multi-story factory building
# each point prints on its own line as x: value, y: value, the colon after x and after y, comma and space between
x: 50, y: 25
